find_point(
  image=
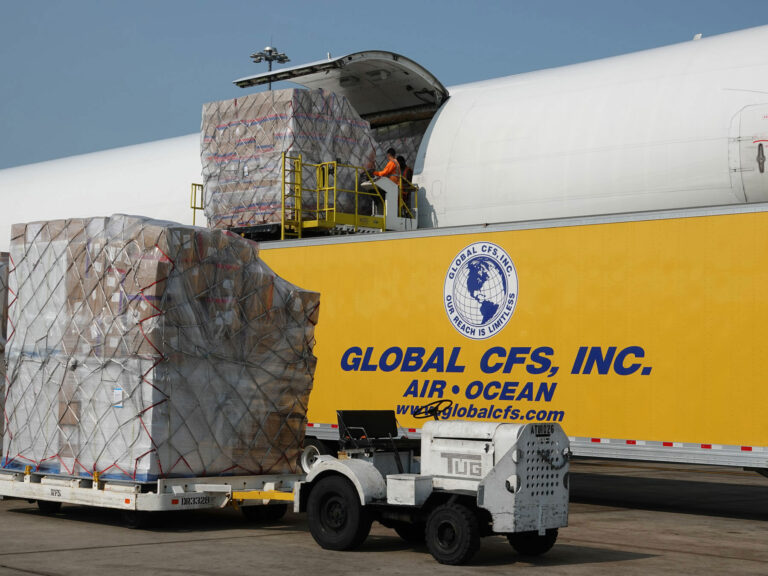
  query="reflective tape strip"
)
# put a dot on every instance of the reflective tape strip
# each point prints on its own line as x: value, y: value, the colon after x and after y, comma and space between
x: 665, y: 444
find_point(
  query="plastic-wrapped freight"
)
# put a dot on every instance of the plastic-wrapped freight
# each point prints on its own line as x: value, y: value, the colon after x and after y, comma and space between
x: 3, y: 298
x: 242, y: 142
x: 3, y: 320
x: 145, y: 349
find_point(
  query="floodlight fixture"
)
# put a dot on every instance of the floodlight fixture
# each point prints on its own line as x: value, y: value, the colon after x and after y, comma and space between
x: 269, y: 55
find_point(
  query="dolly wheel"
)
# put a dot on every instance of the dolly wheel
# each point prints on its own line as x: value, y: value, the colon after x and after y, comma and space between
x: 265, y: 514
x: 337, y: 519
x: 48, y: 507
x: 138, y: 519
x: 531, y: 543
x: 452, y: 534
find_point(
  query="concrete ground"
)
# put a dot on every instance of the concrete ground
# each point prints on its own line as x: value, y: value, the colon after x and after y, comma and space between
x: 625, y: 519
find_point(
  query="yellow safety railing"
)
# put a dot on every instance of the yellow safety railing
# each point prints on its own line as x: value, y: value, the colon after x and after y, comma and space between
x: 311, y: 194
x: 407, y: 189
x: 196, y: 200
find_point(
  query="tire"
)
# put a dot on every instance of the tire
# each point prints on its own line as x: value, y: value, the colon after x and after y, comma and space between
x: 453, y: 536
x: 48, y: 507
x: 413, y: 533
x: 312, y: 449
x: 138, y: 519
x: 531, y: 543
x: 265, y: 514
x: 337, y: 519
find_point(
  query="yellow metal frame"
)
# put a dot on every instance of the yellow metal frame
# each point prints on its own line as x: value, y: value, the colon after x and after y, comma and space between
x: 194, y: 202
x: 305, y: 208
x: 240, y: 495
x: 403, y: 208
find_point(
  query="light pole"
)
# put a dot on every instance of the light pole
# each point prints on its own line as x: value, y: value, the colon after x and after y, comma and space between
x: 269, y: 55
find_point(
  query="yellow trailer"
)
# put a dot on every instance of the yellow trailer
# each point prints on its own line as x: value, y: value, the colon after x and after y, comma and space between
x: 642, y: 334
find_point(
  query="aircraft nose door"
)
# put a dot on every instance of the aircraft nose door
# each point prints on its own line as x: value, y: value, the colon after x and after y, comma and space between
x: 753, y: 152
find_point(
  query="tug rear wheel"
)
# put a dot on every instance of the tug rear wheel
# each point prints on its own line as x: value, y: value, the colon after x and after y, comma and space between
x: 337, y: 519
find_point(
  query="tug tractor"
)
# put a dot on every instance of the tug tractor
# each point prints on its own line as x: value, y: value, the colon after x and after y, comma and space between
x: 459, y: 482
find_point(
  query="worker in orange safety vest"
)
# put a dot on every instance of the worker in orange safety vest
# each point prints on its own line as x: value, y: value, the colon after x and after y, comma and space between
x: 406, y: 187
x: 392, y: 169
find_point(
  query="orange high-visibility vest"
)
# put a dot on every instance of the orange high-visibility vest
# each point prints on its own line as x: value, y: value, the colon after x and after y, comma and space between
x: 391, y: 171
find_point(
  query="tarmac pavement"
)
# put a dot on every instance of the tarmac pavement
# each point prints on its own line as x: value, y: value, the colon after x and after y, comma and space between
x: 625, y: 519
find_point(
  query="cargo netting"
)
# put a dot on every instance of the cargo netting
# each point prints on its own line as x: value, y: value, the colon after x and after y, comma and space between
x: 144, y: 349
x: 243, y: 141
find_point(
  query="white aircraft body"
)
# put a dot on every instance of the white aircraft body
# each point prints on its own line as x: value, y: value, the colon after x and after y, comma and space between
x: 673, y: 127
x: 150, y: 179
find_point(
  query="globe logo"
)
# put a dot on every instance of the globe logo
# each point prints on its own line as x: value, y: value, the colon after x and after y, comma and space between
x: 480, y: 290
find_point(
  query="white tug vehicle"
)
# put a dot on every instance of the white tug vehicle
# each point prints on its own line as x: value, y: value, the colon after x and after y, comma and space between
x: 462, y: 480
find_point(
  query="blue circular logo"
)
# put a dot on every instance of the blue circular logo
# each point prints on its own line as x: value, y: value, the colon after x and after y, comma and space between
x: 480, y: 291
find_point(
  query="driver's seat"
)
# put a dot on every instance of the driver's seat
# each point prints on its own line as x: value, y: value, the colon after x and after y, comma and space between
x: 376, y: 429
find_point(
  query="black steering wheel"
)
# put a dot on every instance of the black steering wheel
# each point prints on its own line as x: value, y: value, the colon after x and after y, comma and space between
x: 432, y: 409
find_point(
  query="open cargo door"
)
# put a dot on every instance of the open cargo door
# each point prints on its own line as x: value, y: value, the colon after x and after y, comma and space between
x: 385, y: 88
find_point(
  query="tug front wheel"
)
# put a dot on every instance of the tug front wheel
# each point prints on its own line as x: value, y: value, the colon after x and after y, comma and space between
x: 452, y: 534
x: 531, y: 543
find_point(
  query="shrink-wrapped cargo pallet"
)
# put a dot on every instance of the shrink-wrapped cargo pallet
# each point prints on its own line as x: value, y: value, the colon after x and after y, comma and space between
x: 145, y: 349
x: 3, y: 320
x: 3, y: 298
x: 242, y: 142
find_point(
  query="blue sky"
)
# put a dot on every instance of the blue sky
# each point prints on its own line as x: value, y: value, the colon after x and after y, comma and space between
x: 83, y: 75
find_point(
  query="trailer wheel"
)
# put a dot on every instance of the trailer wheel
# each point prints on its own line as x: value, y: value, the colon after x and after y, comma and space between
x: 453, y: 535
x: 312, y: 449
x: 265, y: 514
x: 413, y: 533
x: 337, y: 519
x: 48, y: 507
x: 531, y: 543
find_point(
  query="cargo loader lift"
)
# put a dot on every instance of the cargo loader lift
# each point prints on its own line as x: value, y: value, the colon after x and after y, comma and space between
x: 330, y: 198
x: 333, y: 197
